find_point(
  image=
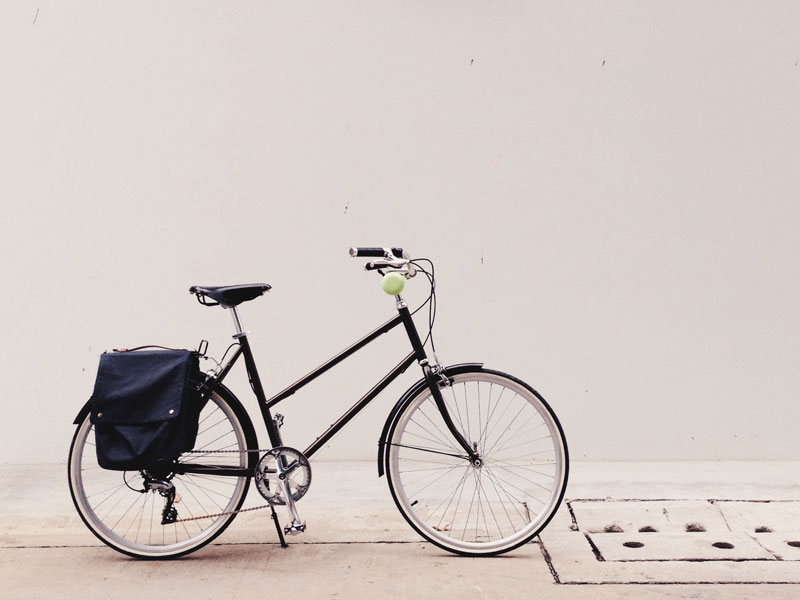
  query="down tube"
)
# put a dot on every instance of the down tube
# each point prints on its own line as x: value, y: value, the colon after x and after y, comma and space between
x: 356, y: 408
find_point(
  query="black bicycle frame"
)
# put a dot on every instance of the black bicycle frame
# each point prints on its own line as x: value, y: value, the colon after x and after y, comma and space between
x: 265, y: 404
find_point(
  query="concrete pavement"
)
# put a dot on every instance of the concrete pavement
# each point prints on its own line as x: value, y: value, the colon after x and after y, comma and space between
x: 358, y: 546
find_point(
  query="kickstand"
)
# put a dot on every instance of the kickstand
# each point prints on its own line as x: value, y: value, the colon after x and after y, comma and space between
x: 278, y: 527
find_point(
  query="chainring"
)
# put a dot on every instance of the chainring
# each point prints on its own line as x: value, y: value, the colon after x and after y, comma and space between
x: 278, y: 466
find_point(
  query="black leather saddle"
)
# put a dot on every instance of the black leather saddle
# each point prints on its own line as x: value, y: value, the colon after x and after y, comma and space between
x: 229, y: 295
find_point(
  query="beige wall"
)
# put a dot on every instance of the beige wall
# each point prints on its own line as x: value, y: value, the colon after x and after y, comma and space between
x: 609, y: 190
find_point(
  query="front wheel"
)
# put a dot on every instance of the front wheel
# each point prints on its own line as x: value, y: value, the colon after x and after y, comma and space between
x: 498, y: 502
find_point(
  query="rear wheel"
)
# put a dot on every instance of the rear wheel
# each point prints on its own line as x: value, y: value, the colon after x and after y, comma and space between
x: 497, y: 503
x: 124, y: 514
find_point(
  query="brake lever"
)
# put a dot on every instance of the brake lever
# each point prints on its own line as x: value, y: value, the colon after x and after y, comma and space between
x: 383, y: 264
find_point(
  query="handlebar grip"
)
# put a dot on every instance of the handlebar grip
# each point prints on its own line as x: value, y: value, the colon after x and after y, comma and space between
x: 375, y: 252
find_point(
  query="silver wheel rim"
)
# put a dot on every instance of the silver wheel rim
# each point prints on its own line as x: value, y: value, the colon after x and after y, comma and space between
x: 495, y: 506
x: 131, y: 521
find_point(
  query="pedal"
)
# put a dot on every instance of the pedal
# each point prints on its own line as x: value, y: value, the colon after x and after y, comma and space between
x: 296, y: 528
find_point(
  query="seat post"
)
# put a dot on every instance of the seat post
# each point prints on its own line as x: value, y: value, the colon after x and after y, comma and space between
x: 236, y: 322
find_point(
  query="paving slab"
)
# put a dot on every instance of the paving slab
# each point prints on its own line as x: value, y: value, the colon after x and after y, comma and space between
x: 574, y: 563
x: 761, y: 517
x: 783, y: 546
x: 350, y: 571
x: 711, y: 541
x: 684, y: 547
x: 663, y: 516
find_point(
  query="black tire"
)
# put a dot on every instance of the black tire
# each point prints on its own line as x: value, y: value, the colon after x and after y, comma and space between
x: 519, y: 485
x: 204, y: 493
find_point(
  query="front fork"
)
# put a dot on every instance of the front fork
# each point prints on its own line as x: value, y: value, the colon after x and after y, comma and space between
x: 436, y: 379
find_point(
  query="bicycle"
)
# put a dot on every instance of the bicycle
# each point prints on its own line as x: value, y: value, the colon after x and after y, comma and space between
x: 475, y: 459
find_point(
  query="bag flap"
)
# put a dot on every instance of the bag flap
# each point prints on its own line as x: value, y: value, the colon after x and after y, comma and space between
x: 134, y: 388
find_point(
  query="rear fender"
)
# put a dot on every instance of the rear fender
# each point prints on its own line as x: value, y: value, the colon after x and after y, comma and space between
x: 83, y: 412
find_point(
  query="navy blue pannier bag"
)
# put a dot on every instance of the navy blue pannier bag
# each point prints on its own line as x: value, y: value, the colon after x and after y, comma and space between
x: 144, y: 408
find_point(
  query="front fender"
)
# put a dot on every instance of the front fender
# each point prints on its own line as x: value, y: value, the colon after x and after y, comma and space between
x: 404, y: 399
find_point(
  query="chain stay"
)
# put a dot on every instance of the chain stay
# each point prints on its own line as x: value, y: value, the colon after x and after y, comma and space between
x: 232, y: 512
x: 226, y: 451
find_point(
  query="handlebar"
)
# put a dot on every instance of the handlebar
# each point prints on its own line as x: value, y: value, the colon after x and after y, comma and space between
x: 377, y: 252
x: 391, y: 258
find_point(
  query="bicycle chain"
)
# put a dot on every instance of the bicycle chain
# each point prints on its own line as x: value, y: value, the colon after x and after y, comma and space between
x: 222, y: 514
x: 232, y: 512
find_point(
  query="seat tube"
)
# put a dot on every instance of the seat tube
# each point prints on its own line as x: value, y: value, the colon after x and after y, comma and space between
x: 255, y: 380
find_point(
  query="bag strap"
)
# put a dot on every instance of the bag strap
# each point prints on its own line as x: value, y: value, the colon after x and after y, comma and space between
x: 143, y: 347
x: 201, y: 351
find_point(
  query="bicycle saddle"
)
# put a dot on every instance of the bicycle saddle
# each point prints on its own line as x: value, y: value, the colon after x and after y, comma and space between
x: 231, y: 295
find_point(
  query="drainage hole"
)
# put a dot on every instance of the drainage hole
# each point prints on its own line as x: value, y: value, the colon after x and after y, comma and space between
x: 723, y: 545
x: 633, y: 544
x: 612, y: 529
x: 648, y: 529
x: 794, y: 544
x: 763, y: 529
x: 694, y: 527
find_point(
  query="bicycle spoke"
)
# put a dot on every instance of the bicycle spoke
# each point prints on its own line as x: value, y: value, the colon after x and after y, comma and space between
x: 445, y: 436
x: 135, y: 500
x: 450, y: 500
x: 212, y: 441
x: 421, y: 449
x: 420, y: 470
x: 499, y: 419
x: 185, y: 458
x: 528, y: 469
x: 417, y: 493
x: 152, y: 518
x: 211, y: 413
x: 219, y: 480
x: 524, y: 478
x: 116, y: 487
x: 469, y: 512
x: 520, y: 429
x: 484, y: 436
x: 429, y: 472
x: 511, y: 485
x: 222, y: 420
x: 503, y: 504
x: 422, y: 437
x: 466, y: 411
x: 141, y: 516
x: 505, y: 431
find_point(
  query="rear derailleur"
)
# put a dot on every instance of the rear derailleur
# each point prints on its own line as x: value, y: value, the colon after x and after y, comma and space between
x: 167, y: 489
